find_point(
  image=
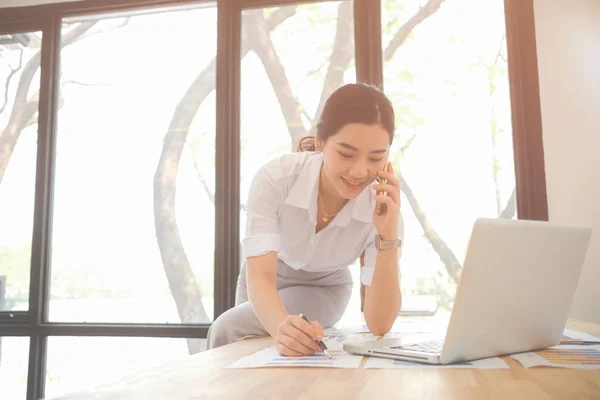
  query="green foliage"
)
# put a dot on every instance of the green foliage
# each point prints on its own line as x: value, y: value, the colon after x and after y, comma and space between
x: 15, y: 263
x: 440, y: 285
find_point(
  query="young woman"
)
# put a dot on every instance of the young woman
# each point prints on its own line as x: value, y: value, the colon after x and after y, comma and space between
x: 311, y: 215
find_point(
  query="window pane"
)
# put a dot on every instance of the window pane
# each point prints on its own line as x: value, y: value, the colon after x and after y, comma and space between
x: 292, y: 60
x: 78, y: 363
x: 133, y: 204
x: 14, y: 356
x: 19, y: 91
x: 445, y: 70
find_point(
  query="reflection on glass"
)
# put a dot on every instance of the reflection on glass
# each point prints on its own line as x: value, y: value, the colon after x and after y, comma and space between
x: 133, y: 205
x: 82, y: 363
x: 14, y: 356
x: 19, y: 91
x: 445, y: 70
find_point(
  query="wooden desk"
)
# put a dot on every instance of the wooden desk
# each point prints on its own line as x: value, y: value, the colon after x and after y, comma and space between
x: 202, y: 376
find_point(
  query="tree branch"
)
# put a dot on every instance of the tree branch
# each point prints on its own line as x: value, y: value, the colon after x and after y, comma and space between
x: 400, y: 37
x: 210, y: 195
x: 261, y: 43
x: 499, y: 54
x: 510, y: 208
x: 341, y: 55
x: 18, y: 117
x: 13, y: 71
x: 446, y: 255
x: 176, y: 265
x: 279, y: 16
x: 94, y: 33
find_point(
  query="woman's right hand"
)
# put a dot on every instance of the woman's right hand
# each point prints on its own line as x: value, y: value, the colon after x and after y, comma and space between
x: 296, y: 337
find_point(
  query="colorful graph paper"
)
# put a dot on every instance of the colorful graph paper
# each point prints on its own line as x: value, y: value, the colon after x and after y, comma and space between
x: 581, y: 356
x: 318, y: 360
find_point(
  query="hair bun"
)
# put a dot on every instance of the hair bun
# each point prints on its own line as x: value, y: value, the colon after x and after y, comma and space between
x: 307, y: 143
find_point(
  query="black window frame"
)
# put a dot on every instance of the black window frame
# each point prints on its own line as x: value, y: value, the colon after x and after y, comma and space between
x: 527, y: 146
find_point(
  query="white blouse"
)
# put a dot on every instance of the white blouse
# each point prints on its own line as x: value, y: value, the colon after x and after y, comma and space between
x: 282, y: 217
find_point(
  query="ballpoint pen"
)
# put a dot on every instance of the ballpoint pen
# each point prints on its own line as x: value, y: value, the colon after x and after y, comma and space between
x: 319, y: 342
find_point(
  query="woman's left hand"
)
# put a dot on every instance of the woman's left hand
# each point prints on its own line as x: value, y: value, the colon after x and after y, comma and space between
x: 387, y: 222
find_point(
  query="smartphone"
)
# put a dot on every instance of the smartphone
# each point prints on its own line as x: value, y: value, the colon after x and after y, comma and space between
x: 381, y: 208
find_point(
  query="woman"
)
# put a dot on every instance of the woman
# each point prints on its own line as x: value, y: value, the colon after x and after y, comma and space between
x: 311, y: 215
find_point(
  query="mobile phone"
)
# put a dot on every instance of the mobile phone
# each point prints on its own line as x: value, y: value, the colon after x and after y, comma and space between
x: 381, y: 208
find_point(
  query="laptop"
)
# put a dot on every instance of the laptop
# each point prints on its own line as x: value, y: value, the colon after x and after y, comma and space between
x: 514, y: 295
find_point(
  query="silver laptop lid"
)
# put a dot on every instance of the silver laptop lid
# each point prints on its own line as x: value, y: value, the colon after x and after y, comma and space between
x: 516, y: 287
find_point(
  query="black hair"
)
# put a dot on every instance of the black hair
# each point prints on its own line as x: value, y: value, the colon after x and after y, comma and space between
x: 353, y: 103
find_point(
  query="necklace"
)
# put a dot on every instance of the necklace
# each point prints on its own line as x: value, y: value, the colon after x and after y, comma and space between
x: 325, y: 215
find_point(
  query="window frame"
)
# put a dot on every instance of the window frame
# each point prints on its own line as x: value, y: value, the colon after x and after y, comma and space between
x: 526, y: 124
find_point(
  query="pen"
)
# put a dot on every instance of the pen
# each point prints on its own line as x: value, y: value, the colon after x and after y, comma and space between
x: 319, y: 342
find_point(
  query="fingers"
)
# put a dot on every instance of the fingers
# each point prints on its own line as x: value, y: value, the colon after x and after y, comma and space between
x: 296, y: 339
x: 392, y: 191
x: 306, y: 327
x: 386, y: 200
x: 286, y: 351
x: 293, y: 344
x: 389, y: 175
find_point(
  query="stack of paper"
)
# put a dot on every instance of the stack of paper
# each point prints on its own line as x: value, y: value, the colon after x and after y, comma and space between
x: 577, y: 350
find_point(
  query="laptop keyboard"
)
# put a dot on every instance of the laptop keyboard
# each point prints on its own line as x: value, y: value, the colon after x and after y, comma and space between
x: 433, y: 347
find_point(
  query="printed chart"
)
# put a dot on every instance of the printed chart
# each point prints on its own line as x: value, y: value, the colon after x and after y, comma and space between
x: 318, y: 360
x: 563, y: 356
x: 269, y: 357
x: 581, y: 356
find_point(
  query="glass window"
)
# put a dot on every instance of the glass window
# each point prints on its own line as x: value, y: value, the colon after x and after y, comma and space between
x: 133, y: 232
x: 14, y: 356
x: 19, y: 91
x: 82, y: 363
x: 293, y: 58
x: 445, y: 70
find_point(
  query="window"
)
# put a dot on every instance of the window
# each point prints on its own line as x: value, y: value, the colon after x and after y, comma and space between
x: 78, y: 363
x: 14, y: 355
x: 293, y: 59
x: 445, y: 69
x: 123, y: 207
x: 20, y: 85
x: 133, y: 236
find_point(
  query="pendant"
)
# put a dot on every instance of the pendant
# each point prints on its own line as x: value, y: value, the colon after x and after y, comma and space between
x: 324, y: 219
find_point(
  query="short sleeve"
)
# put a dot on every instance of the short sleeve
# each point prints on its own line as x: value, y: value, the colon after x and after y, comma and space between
x: 366, y: 272
x: 262, y: 231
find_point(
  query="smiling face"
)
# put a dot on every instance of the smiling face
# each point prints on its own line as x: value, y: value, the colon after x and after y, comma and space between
x: 352, y: 157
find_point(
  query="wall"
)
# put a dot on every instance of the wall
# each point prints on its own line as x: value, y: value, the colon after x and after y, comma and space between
x: 568, y: 48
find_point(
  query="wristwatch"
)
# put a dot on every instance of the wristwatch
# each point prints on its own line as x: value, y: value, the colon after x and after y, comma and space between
x: 383, y: 244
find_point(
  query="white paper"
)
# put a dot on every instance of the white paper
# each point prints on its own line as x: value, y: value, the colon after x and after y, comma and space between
x: 486, y: 363
x: 562, y: 356
x: 269, y: 357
